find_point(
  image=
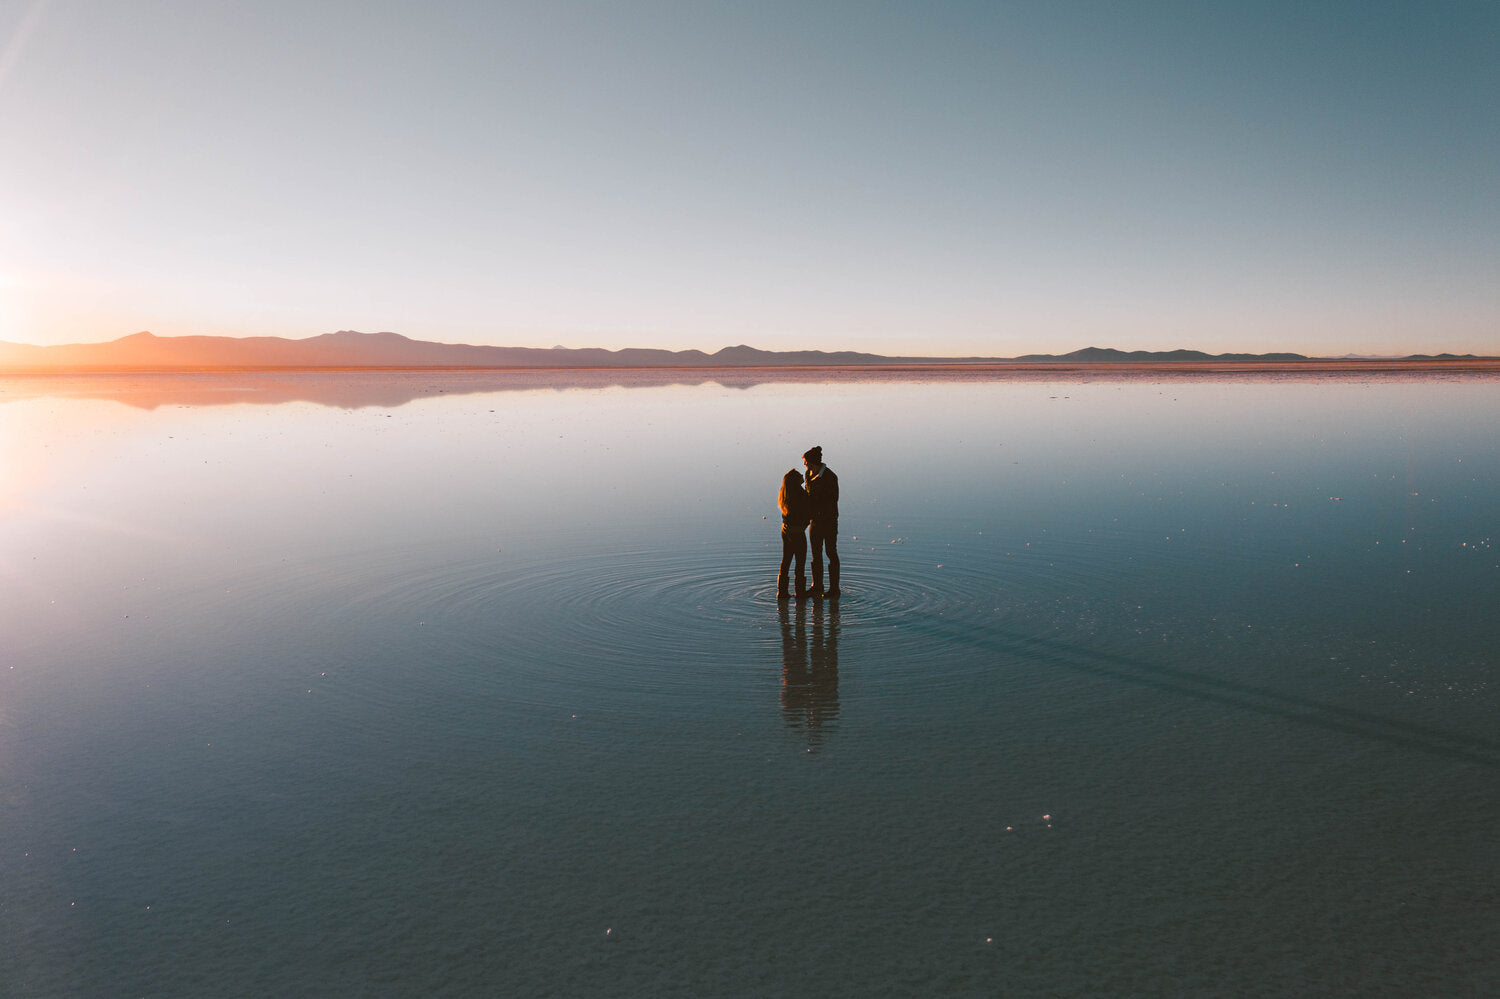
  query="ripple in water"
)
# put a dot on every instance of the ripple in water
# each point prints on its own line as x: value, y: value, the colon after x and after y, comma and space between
x: 663, y: 630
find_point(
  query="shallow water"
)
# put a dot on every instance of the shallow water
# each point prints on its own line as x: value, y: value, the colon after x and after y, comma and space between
x: 1176, y: 687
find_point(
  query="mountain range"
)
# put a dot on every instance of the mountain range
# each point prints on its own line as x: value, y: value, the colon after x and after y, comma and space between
x: 350, y: 349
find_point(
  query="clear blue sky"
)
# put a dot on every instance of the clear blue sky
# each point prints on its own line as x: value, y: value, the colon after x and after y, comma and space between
x: 926, y: 177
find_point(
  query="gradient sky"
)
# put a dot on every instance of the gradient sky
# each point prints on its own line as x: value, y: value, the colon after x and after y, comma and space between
x: 934, y: 178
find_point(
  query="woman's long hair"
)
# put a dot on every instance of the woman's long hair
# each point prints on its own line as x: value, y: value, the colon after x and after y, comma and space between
x: 792, y: 480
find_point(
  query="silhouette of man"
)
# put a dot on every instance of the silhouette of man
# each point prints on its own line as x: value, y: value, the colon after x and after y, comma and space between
x: 823, y: 529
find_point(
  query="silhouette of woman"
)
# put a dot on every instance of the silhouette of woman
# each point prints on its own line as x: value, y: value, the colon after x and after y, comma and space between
x: 795, y: 511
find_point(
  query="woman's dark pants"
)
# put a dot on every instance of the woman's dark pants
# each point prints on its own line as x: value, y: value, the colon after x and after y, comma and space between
x: 793, y: 548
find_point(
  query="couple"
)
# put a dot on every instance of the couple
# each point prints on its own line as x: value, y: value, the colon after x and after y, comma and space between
x: 815, y: 508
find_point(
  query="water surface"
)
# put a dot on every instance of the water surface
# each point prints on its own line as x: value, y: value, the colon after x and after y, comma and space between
x: 422, y: 686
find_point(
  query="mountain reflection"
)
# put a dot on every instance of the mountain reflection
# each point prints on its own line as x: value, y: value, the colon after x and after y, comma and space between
x: 347, y: 389
x: 392, y: 387
x: 810, y: 667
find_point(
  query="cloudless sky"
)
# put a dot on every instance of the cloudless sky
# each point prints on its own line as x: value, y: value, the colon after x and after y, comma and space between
x: 978, y: 178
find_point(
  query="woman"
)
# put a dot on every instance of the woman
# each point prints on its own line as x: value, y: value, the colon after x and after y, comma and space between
x: 795, y: 511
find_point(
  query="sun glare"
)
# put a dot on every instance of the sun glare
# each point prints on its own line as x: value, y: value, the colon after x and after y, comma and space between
x: 13, y: 309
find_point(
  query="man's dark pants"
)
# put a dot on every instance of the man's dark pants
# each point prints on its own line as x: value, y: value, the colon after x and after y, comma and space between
x: 824, y: 536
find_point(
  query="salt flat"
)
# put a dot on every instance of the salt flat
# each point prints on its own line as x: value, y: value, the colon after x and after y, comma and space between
x: 1144, y: 683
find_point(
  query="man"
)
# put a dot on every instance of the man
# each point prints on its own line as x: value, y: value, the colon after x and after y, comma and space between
x: 823, y: 530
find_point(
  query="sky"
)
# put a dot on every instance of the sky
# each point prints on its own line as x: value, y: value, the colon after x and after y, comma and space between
x: 936, y: 178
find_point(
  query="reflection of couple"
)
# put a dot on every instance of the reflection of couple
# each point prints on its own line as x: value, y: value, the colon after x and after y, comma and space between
x: 810, y: 669
x: 814, y: 510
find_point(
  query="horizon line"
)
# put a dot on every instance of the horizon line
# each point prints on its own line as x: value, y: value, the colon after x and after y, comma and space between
x: 1145, y: 355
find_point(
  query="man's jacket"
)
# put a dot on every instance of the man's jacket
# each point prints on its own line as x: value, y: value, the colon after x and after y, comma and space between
x: 823, y: 494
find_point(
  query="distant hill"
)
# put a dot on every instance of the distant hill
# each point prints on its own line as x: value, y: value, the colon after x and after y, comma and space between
x: 350, y: 349
x: 1108, y: 355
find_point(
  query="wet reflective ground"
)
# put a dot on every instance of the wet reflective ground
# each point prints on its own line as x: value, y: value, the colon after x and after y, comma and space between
x: 1138, y: 687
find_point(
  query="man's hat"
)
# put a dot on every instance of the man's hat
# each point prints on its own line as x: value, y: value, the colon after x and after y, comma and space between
x: 814, y: 453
